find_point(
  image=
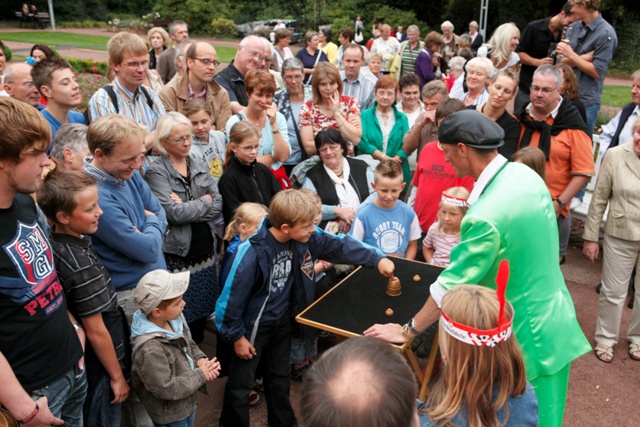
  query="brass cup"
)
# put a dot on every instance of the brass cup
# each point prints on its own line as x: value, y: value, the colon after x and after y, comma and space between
x: 393, y: 287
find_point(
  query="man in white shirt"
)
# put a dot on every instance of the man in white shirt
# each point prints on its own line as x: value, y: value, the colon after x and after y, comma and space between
x: 619, y: 129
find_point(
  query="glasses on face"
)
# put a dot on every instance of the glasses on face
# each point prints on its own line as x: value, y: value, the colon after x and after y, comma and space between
x: 544, y: 90
x: 180, y: 139
x: 329, y: 147
x: 386, y: 94
x: 206, y: 61
x: 256, y: 55
x: 136, y: 65
x: 250, y: 148
x: 293, y: 76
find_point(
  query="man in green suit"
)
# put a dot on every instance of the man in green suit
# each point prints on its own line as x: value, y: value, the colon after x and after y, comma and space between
x: 511, y: 216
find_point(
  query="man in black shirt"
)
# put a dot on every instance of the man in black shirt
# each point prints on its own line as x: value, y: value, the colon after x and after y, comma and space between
x: 40, y: 352
x: 537, y: 41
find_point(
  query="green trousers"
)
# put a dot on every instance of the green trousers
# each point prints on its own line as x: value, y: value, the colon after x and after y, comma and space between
x: 551, y: 391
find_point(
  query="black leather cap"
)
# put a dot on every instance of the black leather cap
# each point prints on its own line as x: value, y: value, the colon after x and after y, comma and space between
x: 472, y: 128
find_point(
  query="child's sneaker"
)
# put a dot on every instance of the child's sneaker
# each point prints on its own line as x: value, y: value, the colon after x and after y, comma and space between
x: 253, y: 398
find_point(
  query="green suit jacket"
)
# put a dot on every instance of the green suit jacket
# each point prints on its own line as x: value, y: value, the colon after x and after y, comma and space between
x: 514, y: 219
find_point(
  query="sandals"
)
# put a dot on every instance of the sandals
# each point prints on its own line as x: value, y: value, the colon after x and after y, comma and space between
x: 605, y: 354
x: 634, y: 348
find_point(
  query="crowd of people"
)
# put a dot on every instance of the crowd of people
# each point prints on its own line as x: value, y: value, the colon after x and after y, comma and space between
x: 186, y: 197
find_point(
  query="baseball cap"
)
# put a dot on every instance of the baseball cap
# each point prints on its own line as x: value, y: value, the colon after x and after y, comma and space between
x: 157, y: 286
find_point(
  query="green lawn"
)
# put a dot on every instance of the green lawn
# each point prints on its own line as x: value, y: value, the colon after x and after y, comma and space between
x: 58, y: 38
x: 61, y: 38
x: 616, y: 96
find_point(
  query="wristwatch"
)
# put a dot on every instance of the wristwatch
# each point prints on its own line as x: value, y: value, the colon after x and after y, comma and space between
x: 561, y: 203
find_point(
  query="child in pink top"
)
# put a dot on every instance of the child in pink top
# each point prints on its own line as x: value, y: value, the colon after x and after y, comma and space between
x: 444, y: 234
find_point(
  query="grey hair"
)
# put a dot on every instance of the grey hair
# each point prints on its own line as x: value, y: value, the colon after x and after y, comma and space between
x: 165, y: 126
x: 326, y: 30
x: 292, y: 64
x: 484, y: 64
x: 447, y: 24
x: 465, y: 39
x: 457, y: 63
x: 11, y: 71
x: 179, y: 49
x: 549, y: 70
x: 473, y: 24
x: 635, y: 75
x: 413, y: 28
x: 72, y: 136
x: 434, y: 87
x: 174, y: 24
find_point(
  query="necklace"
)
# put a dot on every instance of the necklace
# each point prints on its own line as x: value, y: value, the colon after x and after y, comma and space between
x: 339, y: 175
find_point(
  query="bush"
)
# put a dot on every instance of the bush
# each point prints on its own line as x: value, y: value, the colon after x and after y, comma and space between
x: 7, y: 53
x: 88, y: 66
x: 223, y: 28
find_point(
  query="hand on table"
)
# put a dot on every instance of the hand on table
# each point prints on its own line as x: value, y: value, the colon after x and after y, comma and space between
x: 386, y: 267
x: 390, y: 332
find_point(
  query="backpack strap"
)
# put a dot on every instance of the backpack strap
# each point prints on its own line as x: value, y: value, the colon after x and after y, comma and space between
x: 112, y: 96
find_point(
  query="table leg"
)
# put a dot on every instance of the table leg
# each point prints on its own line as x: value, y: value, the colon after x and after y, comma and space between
x: 411, y: 358
x: 424, y: 385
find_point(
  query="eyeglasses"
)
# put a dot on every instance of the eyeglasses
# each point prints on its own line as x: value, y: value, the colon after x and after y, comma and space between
x: 256, y: 55
x: 206, y: 61
x: 180, y: 140
x: 136, y: 65
x: 545, y: 90
x: 293, y: 76
x: 250, y: 148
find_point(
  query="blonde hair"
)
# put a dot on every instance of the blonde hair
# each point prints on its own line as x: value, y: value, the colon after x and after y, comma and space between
x: 247, y: 213
x: 24, y: 130
x: 472, y: 372
x: 460, y: 193
x: 532, y: 157
x: 500, y: 42
x: 291, y: 207
x: 106, y: 132
x: 166, y: 41
x: 125, y: 42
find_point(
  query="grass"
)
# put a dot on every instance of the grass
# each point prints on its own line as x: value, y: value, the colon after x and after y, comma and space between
x: 61, y: 38
x: 616, y: 96
x: 58, y: 38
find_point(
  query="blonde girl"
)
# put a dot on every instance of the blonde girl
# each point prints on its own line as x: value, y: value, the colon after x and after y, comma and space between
x: 444, y: 234
x: 483, y: 383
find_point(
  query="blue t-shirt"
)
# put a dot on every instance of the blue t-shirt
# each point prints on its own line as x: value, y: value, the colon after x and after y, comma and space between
x: 73, y: 117
x: 309, y: 61
x: 391, y: 230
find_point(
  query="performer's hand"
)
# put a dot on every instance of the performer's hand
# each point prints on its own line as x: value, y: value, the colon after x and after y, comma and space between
x: 591, y: 250
x: 244, y: 349
x: 386, y: 267
x: 390, y: 332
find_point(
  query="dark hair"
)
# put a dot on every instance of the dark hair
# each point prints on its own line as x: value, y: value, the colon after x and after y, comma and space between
x: 409, y: 79
x: 48, y: 53
x: 347, y: 33
x: 447, y: 107
x: 384, y: 394
x: 59, y: 189
x: 433, y: 37
x: 387, y: 168
x: 195, y: 105
x: 42, y: 71
x: 282, y: 33
x: 330, y: 136
x: 24, y: 129
x: 569, y: 81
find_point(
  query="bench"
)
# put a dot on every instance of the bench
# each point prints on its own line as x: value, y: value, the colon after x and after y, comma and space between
x: 43, y: 16
x: 580, y: 211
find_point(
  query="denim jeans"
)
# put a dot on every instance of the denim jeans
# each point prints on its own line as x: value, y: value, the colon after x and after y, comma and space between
x: 564, y: 233
x: 273, y: 343
x: 592, y: 115
x: 98, y: 411
x: 185, y: 422
x: 66, y: 396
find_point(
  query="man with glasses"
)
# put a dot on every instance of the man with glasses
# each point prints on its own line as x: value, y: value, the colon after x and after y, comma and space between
x: 198, y: 82
x: 166, y: 67
x: 250, y: 54
x: 19, y: 84
x: 126, y: 95
x: 553, y: 124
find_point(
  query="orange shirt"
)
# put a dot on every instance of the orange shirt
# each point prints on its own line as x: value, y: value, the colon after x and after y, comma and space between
x: 570, y: 155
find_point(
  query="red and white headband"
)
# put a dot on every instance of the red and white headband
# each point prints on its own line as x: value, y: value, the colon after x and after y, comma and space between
x: 479, y: 337
x: 455, y: 201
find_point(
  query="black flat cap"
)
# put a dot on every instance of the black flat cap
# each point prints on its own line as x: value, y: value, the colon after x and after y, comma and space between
x: 472, y: 128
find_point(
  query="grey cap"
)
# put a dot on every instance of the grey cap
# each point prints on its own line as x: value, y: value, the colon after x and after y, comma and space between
x: 157, y: 286
x: 472, y: 128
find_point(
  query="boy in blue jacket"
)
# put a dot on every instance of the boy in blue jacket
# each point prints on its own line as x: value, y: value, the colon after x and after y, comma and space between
x: 271, y: 279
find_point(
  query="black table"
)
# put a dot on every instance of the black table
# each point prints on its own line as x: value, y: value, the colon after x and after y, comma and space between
x: 360, y: 300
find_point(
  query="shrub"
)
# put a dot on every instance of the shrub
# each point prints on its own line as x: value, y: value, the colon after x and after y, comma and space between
x: 89, y: 83
x: 88, y: 66
x: 7, y: 53
x: 223, y: 28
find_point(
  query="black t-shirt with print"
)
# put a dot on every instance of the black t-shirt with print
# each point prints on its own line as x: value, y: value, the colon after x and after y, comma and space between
x: 36, y: 336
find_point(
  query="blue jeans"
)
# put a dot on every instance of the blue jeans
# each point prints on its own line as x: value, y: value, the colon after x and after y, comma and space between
x: 66, y: 396
x: 185, y: 422
x: 98, y: 411
x: 592, y: 115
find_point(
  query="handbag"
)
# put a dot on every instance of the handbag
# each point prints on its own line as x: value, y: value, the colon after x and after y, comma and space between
x: 358, y: 38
